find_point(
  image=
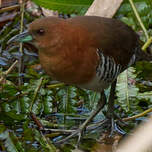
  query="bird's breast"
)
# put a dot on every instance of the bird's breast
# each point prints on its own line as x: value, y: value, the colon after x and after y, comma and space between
x: 75, y: 68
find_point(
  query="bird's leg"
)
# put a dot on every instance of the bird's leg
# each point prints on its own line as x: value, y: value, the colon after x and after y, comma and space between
x: 82, y: 127
x: 110, y: 112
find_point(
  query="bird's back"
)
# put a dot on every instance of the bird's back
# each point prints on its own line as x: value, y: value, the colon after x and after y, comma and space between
x: 111, y: 36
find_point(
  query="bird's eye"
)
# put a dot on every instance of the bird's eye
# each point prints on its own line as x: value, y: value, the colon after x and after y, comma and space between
x: 40, y: 31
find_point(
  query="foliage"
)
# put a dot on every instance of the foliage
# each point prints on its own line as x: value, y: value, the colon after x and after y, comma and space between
x: 59, y: 105
x: 144, y: 8
x: 66, y: 6
x: 10, y: 140
x: 129, y: 91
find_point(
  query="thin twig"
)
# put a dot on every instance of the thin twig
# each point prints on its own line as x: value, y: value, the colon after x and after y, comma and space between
x: 139, y: 19
x: 4, y: 74
x: 59, y: 130
x: 10, y: 8
x: 36, y: 92
x: 55, y: 85
x: 21, y: 45
x: 138, y: 115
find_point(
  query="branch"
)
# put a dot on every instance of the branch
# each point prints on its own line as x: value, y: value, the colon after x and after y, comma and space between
x: 138, y: 115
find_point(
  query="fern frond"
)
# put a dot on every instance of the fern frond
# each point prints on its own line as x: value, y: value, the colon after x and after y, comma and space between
x: 125, y: 90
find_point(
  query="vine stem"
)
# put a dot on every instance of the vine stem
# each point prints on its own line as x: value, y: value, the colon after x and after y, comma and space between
x: 138, y: 115
x: 145, y: 46
x: 139, y: 19
x: 21, y: 45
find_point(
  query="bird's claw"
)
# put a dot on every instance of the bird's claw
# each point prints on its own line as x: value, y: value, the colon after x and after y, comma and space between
x: 115, y: 128
x: 78, y: 133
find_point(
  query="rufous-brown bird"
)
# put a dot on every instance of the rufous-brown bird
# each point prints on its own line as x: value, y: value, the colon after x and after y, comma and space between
x: 87, y: 51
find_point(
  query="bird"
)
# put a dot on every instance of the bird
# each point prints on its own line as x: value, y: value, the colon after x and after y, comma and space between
x: 86, y: 51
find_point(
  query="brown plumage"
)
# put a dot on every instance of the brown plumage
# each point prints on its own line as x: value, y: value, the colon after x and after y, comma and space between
x: 86, y: 51
x: 68, y: 48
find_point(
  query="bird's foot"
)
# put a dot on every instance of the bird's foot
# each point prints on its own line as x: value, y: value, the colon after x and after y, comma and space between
x: 110, y: 123
x: 77, y: 132
x: 115, y: 128
x: 80, y: 130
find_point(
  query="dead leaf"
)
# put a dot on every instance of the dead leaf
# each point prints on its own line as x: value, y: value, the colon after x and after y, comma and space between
x: 104, y: 8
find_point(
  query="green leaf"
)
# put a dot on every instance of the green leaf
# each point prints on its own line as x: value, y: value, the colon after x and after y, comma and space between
x: 12, y: 116
x: 66, y: 6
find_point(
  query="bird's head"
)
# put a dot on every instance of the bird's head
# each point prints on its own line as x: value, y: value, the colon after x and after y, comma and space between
x: 42, y: 33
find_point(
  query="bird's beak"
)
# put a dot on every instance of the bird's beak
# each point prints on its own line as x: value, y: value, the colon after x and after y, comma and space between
x: 22, y: 37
